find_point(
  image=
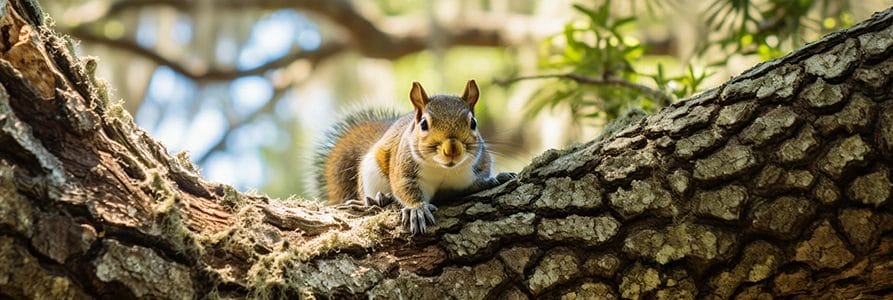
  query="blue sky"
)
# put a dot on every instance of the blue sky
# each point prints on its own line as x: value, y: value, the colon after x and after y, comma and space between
x: 190, y: 117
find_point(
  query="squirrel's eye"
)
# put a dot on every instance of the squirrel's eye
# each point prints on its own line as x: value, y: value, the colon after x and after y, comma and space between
x: 424, y: 125
x: 474, y: 124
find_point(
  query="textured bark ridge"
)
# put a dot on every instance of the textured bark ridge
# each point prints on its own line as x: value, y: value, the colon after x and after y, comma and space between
x: 777, y: 183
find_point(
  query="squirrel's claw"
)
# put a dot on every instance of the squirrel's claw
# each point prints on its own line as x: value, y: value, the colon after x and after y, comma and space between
x: 380, y: 200
x: 416, y: 219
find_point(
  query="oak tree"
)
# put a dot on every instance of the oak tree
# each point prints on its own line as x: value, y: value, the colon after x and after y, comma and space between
x: 776, y: 183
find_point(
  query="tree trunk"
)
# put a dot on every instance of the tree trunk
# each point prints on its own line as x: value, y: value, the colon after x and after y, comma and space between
x: 776, y: 183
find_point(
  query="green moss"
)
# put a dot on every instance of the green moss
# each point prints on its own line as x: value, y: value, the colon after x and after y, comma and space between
x: 263, y: 278
x: 375, y: 227
x: 246, y: 217
x: 100, y: 86
x: 231, y: 197
x: 176, y: 232
x: 167, y: 208
x: 164, y: 194
x: 182, y: 159
x: 116, y: 111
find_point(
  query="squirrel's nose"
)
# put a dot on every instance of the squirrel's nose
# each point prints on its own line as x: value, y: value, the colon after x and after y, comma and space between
x: 450, y: 148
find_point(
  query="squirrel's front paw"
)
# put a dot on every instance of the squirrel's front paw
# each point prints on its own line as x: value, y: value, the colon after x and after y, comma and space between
x: 415, y: 219
x: 380, y: 200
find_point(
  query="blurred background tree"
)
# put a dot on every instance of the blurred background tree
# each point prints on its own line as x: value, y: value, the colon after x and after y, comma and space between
x: 246, y: 86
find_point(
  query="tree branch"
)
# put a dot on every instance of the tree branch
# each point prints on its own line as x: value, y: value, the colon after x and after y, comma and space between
x: 221, y: 144
x: 366, y: 36
x: 775, y: 184
x: 314, y: 56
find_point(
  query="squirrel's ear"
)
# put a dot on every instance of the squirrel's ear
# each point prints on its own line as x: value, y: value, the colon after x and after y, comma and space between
x: 471, y: 94
x: 418, y: 98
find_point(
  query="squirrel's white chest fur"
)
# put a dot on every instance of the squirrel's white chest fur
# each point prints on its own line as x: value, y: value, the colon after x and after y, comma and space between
x: 374, y: 180
x: 433, y: 178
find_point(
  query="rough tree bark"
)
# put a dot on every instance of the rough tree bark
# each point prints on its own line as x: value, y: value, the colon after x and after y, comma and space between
x: 776, y: 183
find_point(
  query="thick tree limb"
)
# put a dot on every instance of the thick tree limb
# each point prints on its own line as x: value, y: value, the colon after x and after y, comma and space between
x: 314, y: 57
x: 365, y: 36
x: 777, y: 183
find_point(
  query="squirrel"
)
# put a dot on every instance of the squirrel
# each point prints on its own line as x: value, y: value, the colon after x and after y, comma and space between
x: 435, y: 151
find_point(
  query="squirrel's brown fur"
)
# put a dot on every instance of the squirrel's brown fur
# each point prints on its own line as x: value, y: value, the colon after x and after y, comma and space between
x: 434, y: 150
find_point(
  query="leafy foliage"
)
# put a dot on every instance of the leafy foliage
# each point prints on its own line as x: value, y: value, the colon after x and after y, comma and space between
x: 600, y: 46
x: 761, y: 27
x: 594, y: 47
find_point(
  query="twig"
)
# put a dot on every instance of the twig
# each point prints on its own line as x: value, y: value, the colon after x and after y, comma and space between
x: 221, y: 143
x: 662, y: 98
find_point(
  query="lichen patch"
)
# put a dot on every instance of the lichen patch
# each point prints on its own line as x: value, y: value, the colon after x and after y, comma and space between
x: 800, y: 147
x: 732, y: 115
x: 604, y: 265
x: 759, y: 261
x: 836, y: 63
x: 724, y: 203
x: 478, y: 235
x: 616, y: 168
x: 770, y: 126
x: 846, y: 154
x: 825, y: 191
x: 564, y: 192
x: 679, y: 180
x: 638, y: 281
x: 643, y: 195
x: 696, y: 143
x: 590, y: 290
x: 872, y: 189
x: 516, y: 259
x: 680, y: 241
x: 783, y: 217
x: 143, y: 271
x: 779, y: 84
x: 521, y: 196
x: 876, y: 43
x: 556, y: 267
x: 341, y: 273
x: 854, y: 117
x: 820, y: 94
x: 731, y: 160
x: 589, y: 230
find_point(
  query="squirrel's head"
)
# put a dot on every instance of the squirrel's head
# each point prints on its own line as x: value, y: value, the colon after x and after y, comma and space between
x: 445, y: 128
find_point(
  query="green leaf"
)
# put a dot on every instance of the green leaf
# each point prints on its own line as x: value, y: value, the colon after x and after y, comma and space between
x: 593, y: 15
x: 622, y: 22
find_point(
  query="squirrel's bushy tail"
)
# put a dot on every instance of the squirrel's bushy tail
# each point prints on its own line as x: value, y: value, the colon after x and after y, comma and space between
x: 338, y: 153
